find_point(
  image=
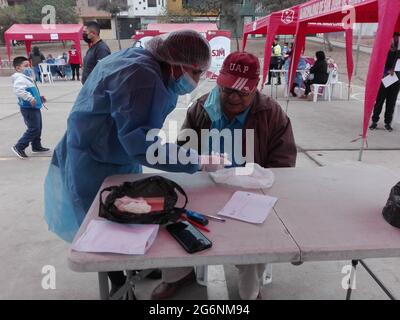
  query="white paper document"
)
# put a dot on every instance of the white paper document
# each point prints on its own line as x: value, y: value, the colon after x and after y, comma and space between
x: 106, y: 236
x: 397, y: 67
x: 248, y: 207
x: 389, y: 80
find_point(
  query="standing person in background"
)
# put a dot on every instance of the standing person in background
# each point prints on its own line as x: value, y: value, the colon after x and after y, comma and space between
x: 74, y: 62
x: 98, y: 49
x: 35, y: 58
x: 275, y: 62
x: 390, y: 93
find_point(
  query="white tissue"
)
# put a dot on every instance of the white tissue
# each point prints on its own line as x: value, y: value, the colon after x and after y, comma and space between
x: 252, y: 176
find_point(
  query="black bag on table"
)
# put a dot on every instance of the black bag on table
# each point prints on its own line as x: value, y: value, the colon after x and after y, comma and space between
x: 391, y: 212
x: 155, y: 186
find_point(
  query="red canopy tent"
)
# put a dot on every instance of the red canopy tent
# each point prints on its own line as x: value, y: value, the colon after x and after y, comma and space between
x: 386, y: 13
x: 285, y: 22
x: 43, y: 32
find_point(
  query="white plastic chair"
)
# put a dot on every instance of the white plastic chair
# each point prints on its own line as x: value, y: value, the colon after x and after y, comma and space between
x: 335, y: 82
x: 327, y: 92
x: 45, y: 72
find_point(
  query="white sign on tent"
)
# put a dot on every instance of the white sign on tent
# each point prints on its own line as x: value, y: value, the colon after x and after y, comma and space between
x: 220, y: 49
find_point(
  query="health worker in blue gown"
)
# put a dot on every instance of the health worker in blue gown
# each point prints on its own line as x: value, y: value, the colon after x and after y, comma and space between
x: 127, y: 94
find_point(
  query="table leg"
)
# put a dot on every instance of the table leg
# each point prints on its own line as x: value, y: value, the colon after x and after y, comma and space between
x: 381, y: 285
x: 352, y: 274
x: 103, y: 286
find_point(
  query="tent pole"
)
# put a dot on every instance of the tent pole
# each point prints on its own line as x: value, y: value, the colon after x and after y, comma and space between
x: 363, y: 140
x: 358, y: 48
x: 348, y: 93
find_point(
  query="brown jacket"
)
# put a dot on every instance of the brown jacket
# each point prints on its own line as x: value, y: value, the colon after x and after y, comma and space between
x: 274, y: 144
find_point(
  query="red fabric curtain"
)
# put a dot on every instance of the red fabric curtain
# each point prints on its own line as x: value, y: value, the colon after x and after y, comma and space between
x: 349, y: 53
x: 244, y: 41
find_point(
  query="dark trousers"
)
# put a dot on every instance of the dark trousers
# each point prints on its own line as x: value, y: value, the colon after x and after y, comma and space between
x: 390, y: 95
x: 117, y: 278
x: 308, y: 84
x: 36, y: 69
x: 33, y: 121
x: 75, y: 70
x: 274, y: 66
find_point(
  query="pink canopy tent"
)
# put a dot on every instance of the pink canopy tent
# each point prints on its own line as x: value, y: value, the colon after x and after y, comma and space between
x: 43, y: 32
x: 386, y: 13
x: 285, y: 22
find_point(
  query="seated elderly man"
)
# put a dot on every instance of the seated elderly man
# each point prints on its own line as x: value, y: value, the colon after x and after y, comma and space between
x: 236, y: 104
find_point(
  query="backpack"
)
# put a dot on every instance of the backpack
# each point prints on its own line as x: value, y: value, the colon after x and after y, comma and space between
x: 391, y: 212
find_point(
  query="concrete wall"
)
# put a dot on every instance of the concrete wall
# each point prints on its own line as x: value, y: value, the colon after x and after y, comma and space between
x: 140, y: 8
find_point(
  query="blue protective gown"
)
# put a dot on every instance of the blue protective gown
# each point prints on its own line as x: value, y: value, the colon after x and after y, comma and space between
x: 301, y: 66
x: 124, y: 97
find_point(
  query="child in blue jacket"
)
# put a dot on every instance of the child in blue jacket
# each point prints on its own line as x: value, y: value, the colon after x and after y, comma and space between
x: 30, y: 102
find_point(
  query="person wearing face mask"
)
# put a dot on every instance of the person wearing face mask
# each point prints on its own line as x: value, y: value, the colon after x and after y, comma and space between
x: 74, y: 62
x: 30, y: 103
x: 128, y: 94
x: 236, y: 104
x: 98, y: 49
x: 390, y: 93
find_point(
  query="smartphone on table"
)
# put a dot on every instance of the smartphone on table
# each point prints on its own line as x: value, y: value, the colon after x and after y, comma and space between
x: 190, y: 238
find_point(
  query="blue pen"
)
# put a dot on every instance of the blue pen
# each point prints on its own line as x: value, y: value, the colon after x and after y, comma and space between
x: 202, y: 215
x: 197, y: 217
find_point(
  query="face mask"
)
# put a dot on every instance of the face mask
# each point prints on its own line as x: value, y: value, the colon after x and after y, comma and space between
x: 184, y: 85
x: 86, y: 38
x: 28, y: 72
x: 213, y: 105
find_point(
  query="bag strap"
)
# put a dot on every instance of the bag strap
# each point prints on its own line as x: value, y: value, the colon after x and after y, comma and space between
x: 101, y: 194
x: 180, y: 189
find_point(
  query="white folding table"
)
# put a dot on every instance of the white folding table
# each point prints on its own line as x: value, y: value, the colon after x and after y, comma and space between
x: 234, y: 242
x: 335, y: 213
x: 328, y: 213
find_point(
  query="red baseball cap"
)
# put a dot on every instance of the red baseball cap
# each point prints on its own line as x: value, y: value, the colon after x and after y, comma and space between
x: 240, y: 71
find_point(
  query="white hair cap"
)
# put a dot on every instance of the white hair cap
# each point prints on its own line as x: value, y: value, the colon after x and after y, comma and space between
x: 186, y: 47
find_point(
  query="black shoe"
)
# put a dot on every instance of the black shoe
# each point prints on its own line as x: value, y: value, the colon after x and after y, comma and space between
x: 268, y: 84
x: 41, y: 149
x: 20, y: 153
x: 388, y: 127
x: 373, y: 126
x: 279, y: 83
